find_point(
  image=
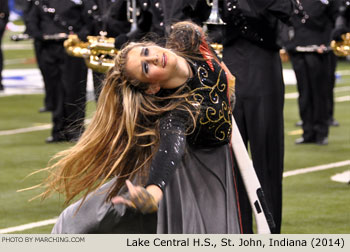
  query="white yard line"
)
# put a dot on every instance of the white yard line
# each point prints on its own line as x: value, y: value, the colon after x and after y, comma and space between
x: 343, y: 72
x: 316, y: 168
x: 25, y: 130
x: 19, y: 46
x: 28, y: 226
x: 341, y: 89
x: 336, y: 90
x: 285, y: 174
x: 343, y: 98
x: 30, y: 129
x: 291, y: 95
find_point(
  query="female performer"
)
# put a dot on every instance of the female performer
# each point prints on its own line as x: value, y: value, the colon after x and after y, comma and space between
x: 163, y: 121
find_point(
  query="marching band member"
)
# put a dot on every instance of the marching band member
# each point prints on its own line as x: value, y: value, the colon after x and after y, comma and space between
x: 251, y: 53
x: 314, y: 66
x: 50, y: 22
x: 104, y: 18
x: 148, y: 23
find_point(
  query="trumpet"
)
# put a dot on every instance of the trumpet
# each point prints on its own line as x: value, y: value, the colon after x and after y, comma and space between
x: 342, y: 48
x: 98, y: 52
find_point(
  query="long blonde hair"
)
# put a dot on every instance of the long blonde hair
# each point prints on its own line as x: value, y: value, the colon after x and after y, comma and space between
x: 121, y: 138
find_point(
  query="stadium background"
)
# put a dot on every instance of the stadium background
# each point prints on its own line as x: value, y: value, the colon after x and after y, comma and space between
x: 313, y: 202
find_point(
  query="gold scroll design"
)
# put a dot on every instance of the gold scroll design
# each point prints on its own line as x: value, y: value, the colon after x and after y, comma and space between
x: 217, y: 119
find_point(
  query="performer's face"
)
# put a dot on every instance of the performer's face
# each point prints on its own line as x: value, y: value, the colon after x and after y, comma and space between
x: 152, y: 64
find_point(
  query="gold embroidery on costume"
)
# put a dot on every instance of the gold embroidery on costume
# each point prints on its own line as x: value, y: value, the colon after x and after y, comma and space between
x: 217, y: 119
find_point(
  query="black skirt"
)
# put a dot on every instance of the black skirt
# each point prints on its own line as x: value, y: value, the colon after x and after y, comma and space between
x: 201, y: 196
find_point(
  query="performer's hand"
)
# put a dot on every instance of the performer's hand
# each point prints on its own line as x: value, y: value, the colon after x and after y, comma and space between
x: 138, y: 198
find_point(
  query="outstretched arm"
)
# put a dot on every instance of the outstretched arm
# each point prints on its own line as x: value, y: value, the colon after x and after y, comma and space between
x: 171, y: 149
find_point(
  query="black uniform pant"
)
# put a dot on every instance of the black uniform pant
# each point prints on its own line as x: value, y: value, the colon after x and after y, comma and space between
x: 67, y: 78
x: 3, y: 22
x: 48, y: 87
x: 259, y: 116
x: 332, y: 80
x: 312, y: 74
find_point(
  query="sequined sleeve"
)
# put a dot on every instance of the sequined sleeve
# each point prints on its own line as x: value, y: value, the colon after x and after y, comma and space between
x: 171, y: 148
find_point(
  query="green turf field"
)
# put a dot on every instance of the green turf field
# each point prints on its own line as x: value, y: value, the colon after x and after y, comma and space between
x: 18, y: 54
x: 312, y: 203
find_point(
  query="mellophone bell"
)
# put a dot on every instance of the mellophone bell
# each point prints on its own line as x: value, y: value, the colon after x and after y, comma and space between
x: 342, y: 48
x: 98, y: 52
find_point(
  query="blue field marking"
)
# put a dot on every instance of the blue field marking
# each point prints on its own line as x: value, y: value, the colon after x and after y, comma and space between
x: 14, y: 78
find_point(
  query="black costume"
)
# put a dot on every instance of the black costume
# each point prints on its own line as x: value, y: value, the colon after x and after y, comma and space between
x: 104, y: 16
x: 252, y: 55
x: 49, y: 98
x: 314, y: 71
x: 195, y: 171
x: 332, y: 80
x: 196, y: 11
x: 67, y: 75
x: 4, y: 15
x: 149, y: 22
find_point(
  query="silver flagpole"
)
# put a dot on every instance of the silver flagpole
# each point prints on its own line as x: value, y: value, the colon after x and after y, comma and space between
x: 263, y: 217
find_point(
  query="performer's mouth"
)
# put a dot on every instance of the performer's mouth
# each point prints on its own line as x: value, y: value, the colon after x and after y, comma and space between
x: 164, y: 60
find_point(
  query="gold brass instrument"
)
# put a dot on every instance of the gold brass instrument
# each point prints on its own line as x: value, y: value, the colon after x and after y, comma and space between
x: 218, y: 48
x: 98, y: 52
x: 102, y: 53
x: 342, y: 48
x: 75, y: 47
